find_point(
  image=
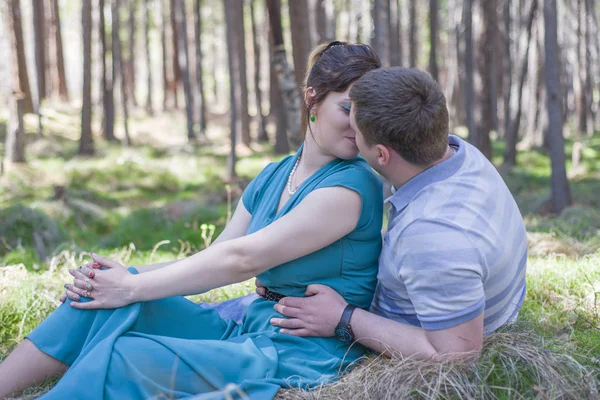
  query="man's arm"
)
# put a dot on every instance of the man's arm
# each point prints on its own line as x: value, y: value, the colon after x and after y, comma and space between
x: 387, y: 336
x: 319, y: 313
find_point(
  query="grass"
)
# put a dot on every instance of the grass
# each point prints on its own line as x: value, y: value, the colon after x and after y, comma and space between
x: 149, y: 203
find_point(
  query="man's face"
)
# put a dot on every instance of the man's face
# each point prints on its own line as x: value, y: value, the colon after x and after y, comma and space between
x: 369, y: 153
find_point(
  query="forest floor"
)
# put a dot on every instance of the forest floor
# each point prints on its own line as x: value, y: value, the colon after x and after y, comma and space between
x: 159, y: 199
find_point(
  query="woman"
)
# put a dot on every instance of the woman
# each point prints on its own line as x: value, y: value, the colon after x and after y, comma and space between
x: 311, y: 218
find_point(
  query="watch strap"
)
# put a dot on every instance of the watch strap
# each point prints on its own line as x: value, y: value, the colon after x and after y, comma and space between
x: 346, y: 315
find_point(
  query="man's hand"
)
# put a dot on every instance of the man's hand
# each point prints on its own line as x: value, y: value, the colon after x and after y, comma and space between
x: 317, y: 314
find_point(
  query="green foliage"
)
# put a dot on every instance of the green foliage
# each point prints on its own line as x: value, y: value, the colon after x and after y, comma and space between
x: 146, y: 227
x: 23, y: 226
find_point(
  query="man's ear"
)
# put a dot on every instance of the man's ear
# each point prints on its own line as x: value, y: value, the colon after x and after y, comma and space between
x: 384, y: 154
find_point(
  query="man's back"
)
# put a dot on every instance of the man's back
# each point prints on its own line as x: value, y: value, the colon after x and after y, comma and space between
x: 456, y: 246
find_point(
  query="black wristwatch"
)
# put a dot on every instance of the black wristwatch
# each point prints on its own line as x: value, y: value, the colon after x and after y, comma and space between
x: 343, y: 330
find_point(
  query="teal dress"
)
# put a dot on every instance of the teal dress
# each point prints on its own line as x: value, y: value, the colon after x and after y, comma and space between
x: 172, y: 348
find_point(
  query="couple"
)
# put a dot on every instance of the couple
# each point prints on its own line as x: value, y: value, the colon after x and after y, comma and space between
x: 452, y: 266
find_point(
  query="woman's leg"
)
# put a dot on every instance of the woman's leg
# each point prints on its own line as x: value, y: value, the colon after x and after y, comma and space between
x: 26, y: 366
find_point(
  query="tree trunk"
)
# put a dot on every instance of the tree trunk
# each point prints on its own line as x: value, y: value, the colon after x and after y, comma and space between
x: 325, y: 21
x: 164, y: 52
x: 433, y: 38
x: 15, y: 131
x: 507, y: 65
x: 39, y: 29
x: 199, y: 70
x: 86, y: 144
x: 511, y: 136
x: 118, y: 66
x: 176, y: 69
x: 285, y: 75
x: 412, y: 32
x: 131, y: 63
x: 489, y: 78
x: 469, y: 69
x: 184, y: 63
x: 240, y: 48
x: 233, y: 64
x: 12, y: 13
x: 589, y: 86
x: 108, y: 97
x: 262, y: 126
x: 149, y: 108
x: 300, y: 37
x: 282, y: 145
x: 561, y: 193
x: 58, y: 47
x: 379, y: 41
x: 395, y: 13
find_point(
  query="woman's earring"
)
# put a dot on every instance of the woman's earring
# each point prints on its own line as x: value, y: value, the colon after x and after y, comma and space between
x: 313, y: 118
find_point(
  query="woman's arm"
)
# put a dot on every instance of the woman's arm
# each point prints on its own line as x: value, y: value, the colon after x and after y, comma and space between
x: 324, y: 216
x: 236, y: 227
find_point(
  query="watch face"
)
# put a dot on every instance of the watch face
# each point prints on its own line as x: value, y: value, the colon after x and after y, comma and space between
x: 344, y: 334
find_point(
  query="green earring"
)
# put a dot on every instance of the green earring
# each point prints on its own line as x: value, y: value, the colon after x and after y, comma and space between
x: 313, y: 118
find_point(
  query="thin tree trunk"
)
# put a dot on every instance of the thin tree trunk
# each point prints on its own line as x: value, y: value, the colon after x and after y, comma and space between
x: 508, y: 63
x: 131, y: 63
x: 108, y: 97
x: 285, y: 75
x: 510, y: 149
x: 199, y: 70
x: 262, y: 126
x: 240, y: 47
x: 176, y: 68
x: 282, y: 145
x: 86, y: 144
x: 118, y: 66
x: 412, y: 33
x: 232, y: 61
x: 149, y: 108
x: 58, y: 47
x: 589, y: 86
x: 561, y: 193
x: 184, y: 63
x: 15, y: 131
x: 300, y: 37
x: 433, y: 34
x: 325, y: 20
x: 163, y: 41
x: 489, y: 78
x: 379, y: 40
x: 39, y: 30
x: 40, y: 60
x: 469, y: 69
x: 395, y: 33
x: 20, y: 79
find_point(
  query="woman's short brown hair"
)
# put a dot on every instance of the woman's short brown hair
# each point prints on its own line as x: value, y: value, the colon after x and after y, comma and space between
x: 404, y: 109
x: 332, y: 67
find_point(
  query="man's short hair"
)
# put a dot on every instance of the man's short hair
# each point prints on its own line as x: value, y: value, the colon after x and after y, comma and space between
x: 404, y: 109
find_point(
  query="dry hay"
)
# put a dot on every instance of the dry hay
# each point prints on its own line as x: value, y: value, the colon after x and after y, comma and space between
x: 543, y: 244
x: 513, y: 365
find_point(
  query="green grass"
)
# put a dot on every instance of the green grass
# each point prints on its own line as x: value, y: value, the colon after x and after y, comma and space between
x: 147, y: 204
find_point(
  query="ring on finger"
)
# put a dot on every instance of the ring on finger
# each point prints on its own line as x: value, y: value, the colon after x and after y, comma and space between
x: 86, y: 293
x: 89, y: 287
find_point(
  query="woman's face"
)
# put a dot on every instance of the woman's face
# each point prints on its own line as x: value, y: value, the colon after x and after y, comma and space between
x: 332, y: 129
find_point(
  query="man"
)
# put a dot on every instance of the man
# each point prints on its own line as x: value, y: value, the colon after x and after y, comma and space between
x: 452, y: 268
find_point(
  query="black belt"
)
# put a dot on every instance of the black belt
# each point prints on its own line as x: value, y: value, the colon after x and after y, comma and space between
x: 273, y: 296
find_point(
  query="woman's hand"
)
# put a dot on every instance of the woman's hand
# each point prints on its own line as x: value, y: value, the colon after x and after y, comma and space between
x: 82, y: 282
x: 108, y: 288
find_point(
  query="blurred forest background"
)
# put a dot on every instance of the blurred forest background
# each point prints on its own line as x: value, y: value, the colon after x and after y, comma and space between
x: 130, y: 127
